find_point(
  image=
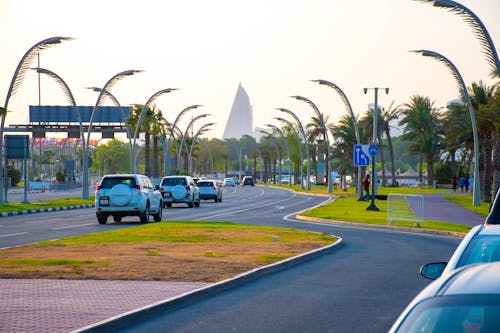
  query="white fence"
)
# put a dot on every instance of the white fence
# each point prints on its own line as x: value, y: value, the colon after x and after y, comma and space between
x: 405, y: 207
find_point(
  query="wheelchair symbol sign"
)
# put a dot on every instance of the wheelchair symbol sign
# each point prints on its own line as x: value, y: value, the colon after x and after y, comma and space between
x: 361, y: 155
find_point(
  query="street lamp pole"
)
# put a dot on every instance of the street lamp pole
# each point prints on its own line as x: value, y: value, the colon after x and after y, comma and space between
x: 374, y: 144
x: 275, y: 141
x: 353, y: 119
x: 476, y: 192
x: 277, y: 129
x: 321, y: 119
x: 301, y: 128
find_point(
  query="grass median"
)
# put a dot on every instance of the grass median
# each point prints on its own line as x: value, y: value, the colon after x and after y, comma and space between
x: 166, y: 251
x: 41, y: 204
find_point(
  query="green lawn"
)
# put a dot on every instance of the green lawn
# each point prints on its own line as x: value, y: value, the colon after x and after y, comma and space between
x: 53, y: 203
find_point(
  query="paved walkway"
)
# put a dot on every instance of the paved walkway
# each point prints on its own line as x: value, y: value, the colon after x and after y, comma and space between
x: 437, y: 208
x: 66, y: 305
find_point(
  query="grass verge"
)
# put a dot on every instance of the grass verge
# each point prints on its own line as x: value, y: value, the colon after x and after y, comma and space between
x: 53, y: 203
x: 167, y: 251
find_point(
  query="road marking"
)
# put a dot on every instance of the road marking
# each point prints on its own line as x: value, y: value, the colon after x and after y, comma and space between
x: 10, y: 235
x: 74, y: 226
x: 43, y: 220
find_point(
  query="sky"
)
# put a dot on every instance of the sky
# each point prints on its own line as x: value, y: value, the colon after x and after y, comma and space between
x: 273, y: 48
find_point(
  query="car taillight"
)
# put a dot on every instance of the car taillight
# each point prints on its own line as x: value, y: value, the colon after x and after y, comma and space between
x: 188, y: 188
x: 161, y: 189
x: 98, y: 187
x: 214, y: 188
x: 138, y: 187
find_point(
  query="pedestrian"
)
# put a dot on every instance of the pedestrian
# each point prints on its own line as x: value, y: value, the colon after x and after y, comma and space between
x: 454, y: 182
x: 461, y: 182
x: 366, y: 187
x: 466, y: 184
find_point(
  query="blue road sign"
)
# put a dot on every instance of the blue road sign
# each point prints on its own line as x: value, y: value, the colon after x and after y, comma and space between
x: 373, y: 150
x: 361, y: 155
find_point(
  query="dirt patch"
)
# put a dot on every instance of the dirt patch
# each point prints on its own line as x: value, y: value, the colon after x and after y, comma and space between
x: 223, y: 254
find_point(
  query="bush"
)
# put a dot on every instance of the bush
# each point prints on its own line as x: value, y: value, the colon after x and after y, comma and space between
x: 15, y: 175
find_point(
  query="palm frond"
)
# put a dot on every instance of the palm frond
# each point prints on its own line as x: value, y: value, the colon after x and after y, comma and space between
x: 67, y: 92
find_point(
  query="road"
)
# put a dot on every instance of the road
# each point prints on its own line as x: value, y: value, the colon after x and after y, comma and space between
x: 361, y: 287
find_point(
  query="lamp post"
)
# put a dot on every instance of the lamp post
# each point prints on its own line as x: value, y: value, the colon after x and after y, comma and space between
x: 111, y: 82
x: 321, y: 119
x: 476, y: 196
x: 69, y: 96
x: 124, y: 119
x: 143, y: 113
x: 347, y: 104
x: 15, y: 83
x: 299, y: 143
x: 188, y: 127
x: 277, y: 129
x: 374, y: 144
x: 200, y: 131
x: 277, y: 150
x: 301, y: 128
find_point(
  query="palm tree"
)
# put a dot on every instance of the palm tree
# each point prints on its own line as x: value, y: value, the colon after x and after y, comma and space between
x: 316, y: 131
x: 487, y: 119
x: 423, y: 127
x: 146, y: 128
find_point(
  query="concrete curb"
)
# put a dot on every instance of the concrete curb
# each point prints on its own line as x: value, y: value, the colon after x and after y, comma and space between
x: 141, y: 314
x: 381, y: 227
x: 44, y: 210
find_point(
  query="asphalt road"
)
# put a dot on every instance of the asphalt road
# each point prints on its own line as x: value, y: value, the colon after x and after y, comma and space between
x: 361, y: 287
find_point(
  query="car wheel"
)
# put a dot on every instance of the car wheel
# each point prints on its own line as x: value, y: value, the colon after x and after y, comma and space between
x: 144, y: 216
x: 191, y: 204
x: 197, y: 203
x: 101, y: 218
x: 117, y: 218
x: 157, y: 217
x: 215, y: 199
x: 220, y: 199
x: 120, y: 195
x: 168, y: 204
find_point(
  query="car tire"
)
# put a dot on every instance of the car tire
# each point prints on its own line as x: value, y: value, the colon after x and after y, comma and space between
x: 197, y: 203
x: 220, y: 199
x: 178, y: 192
x: 168, y: 204
x: 215, y: 199
x: 117, y: 218
x: 120, y: 194
x: 102, y: 219
x: 158, y: 216
x: 144, y: 216
x: 191, y: 204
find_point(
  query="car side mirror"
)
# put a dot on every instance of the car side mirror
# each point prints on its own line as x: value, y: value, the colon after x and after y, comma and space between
x: 433, y: 270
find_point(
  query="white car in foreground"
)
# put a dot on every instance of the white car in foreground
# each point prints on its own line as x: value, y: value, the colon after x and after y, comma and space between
x: 120, y: 195
x: 466, y: 300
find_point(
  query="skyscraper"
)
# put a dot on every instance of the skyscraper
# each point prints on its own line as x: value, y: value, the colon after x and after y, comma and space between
x: 240, y: 121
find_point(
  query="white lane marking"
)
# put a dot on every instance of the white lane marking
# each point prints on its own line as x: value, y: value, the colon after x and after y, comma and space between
x: 43, y: 220
x: 74, y: 226
x: 10, y: 235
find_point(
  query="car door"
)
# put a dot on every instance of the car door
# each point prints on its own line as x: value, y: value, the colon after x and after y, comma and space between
x: 153, y: 194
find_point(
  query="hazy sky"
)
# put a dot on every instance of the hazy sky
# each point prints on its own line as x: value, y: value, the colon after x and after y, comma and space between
x: 272, y: 47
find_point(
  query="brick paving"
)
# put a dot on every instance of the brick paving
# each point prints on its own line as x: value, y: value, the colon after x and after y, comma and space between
x: 66, y: 305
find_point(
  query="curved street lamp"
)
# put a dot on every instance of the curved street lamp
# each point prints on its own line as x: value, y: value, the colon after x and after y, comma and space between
x: 476, y: 197
x: 15, y: 83
x: 478, y: 28
x: 301, y: 128
x: 299, y: 143
x: 188, y: 127
x: 143, y: 113
x: 321, y: 119
x: 203, y: 129
x: 347, y: 104
x: 277, y: 129
x: 70, y: 98
x: 124, y: 119
x: 275, y: 141
x: 111, y: 82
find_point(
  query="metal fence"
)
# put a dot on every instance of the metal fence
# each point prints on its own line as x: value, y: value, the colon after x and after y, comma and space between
x: 405, y: 207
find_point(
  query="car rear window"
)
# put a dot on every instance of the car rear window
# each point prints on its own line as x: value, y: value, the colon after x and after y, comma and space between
x: 173, y: 181
x: 109, y: 182
x: 202, y: 183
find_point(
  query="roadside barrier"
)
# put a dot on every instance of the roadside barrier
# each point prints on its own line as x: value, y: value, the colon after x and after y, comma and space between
x: 405, y: 207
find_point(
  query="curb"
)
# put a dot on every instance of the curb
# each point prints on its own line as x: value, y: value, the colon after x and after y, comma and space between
x: 381, y: 227
x: 44, y: 210
x: 129, y: 318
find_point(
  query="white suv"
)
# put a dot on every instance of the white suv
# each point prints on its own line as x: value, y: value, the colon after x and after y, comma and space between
x: 179, y: 189
x: 127, y: 195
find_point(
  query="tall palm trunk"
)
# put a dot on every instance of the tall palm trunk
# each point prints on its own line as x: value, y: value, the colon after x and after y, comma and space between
x: 487, y: 147
x: 391, y: 154
x: 496, y: 163
x: 155, y: 172
x: 147, y: 154
x: 382, y: 160
x: 430, y: 169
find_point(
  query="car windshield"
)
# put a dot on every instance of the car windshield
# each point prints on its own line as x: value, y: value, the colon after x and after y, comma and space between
x: 109, y: 182
x: 205, y: 183
x: 484, y: 248
x: 173, y: 181
x: 474, y: 313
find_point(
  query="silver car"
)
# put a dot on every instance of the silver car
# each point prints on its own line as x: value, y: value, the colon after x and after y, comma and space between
x: 179, y: 189
x: 209, y: 190
x: 120, y: 195
x: 466, y: 300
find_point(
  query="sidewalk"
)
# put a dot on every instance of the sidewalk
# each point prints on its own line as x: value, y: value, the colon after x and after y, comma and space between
x: 437, y: 208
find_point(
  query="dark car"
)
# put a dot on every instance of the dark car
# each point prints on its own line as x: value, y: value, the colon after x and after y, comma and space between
x: 247, y: 180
